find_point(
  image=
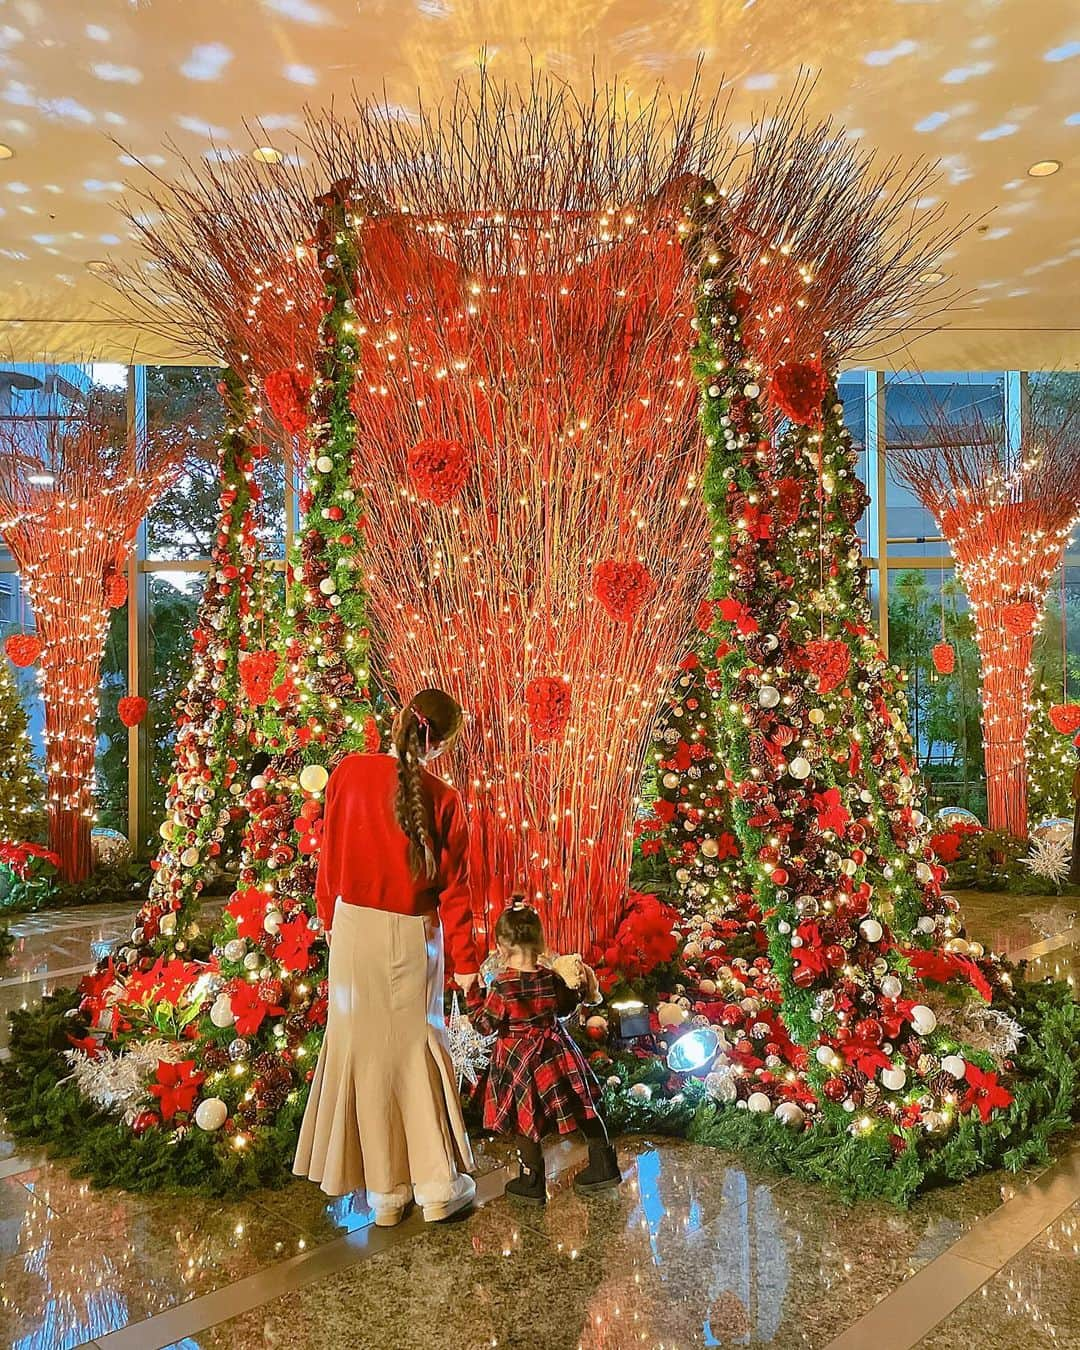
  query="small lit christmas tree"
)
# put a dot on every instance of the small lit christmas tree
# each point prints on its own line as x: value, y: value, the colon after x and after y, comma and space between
x: 20, y: 785
x: 1051, y: 761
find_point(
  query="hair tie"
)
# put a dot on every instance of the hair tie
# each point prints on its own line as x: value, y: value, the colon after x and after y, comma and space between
x: 423, y: 724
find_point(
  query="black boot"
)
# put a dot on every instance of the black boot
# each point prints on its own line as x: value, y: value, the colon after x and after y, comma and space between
x: 529, y: 1187
x: 602, y: 1173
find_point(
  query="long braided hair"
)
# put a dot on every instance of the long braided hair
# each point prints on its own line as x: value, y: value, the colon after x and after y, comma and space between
x: 429, y: 721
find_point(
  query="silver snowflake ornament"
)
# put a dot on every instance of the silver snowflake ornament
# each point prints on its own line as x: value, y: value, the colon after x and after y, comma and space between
x: 1049, y: 859
x: 470, y: 1051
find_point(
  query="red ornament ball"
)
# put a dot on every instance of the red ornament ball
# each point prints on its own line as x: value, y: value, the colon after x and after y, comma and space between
x: 131, y: 709
x: 622, y: 587
x: 22, y: 649
x: 438, y: 470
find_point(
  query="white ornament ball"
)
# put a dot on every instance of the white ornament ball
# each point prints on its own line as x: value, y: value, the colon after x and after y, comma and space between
x: 165, y: 829
x: 923, y: 1019
x: 671, y: 1015
x: 614, y: 1080
x: 671, y: 780
x: 272, y: 922
x: 825, y: 1054
x: 253, y: 961
x: 324, y: 464
x: 189, y: 857
x: 954, y: 1065
x: 751, y: 390
x: 327, y: 586
x: 211, y: 1113
x: 799, y: 767
x: 790, y: 1114
x: 817, y: 716
x: 313, y: 777
x: 891, y: 987
x: 167, y: 924
x: 871, y: 930
x: 221, y: 1013
x: 768, y: 696
x: 641, y: 1092
x: 235, y: 949
x: 923, y: 871
x: 759, y: 1102
x: 259, y: 781
x: 925, y: 924
x: 893, y: 1079
x: 707, y: 986
x: 710, y: 848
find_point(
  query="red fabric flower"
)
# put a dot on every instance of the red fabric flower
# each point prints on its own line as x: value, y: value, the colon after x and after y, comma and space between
x: 295, y: 939
x: 832, y: 814
x: 176, y: 1086
x: 438, y: 470
x: 249, y: 1008
x: 22, y: 649
x: 248, y: 908
x: 943, y: 655
x: 548, y: 702
x: 941, y: 967
x: 984, y: 1093
x: 131, y: 709
x: 727, y: 846
x: 116, y: 590
x: 622, y: 587
x: 798, y: 390
x: 734, y: 611
x: 287, y: 392
x: 1065, y: 718
x: 827, y: 658
x: 257, y: 671
x: 1019, y: 617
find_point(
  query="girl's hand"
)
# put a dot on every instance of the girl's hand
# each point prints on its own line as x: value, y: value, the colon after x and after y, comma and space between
x: 464, y: 982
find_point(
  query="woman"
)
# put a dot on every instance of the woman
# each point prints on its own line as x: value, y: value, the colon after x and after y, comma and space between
x: 384, y: 1111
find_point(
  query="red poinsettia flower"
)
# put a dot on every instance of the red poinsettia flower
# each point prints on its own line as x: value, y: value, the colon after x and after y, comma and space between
x: 89, y: 1045
x: 827, y: 658
x: 734, y: 611
x: 248, y: 908
x: 727, y: 846
x: 941, y: 967
x: 985, y: 1094
x: 832, y: 814
x: 176, y: 1086
x: 294, y: 941
x: 250, y: 1008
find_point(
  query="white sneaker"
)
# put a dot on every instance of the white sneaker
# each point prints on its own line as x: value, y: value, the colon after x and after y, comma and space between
x: 389, y: 1209
x: 441, y: 1199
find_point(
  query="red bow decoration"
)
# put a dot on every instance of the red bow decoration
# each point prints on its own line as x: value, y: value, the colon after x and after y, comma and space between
x: 548, y: 702
x: 798, y: 391
x: 943, y: 655
x: 131, y: 709
x: 984, y: 1093
x: 622, y: 587
x: 22, y: 649
x: 438, y: 470
x: 1065, y: 718
x: 176, y: 1086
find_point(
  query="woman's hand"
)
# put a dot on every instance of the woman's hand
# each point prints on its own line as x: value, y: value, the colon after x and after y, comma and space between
x: 464, y: 982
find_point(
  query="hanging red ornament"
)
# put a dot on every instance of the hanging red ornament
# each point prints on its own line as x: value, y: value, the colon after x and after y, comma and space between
x: 372, y: 738
x: 22, y: 649
x: 548, y: 701
x: 703, y: 619
x: 287, y: 392
x: 131, y: 709
x: 827, y: 658
x: 257, y: 671
x: 622, y: 587
x: 798, y: 390
x: 1019, y: 617
x: 438, y: 470
x: 1065, y: 718
x: 943, y: 655
x: 116, y: 590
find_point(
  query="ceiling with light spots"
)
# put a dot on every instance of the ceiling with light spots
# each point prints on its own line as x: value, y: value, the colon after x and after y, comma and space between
x: 987, y: 87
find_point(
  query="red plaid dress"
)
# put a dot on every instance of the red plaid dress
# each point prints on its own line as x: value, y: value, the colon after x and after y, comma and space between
x: 538, y: 1082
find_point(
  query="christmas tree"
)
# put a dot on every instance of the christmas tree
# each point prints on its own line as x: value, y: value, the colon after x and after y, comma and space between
x: 1051, y: 760
x: 20, y: 785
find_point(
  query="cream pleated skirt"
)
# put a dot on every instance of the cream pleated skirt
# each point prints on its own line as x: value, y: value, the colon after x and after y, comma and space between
x: 384, y: 1112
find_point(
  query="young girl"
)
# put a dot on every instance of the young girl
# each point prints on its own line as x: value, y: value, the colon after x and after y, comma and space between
x: 538, y: 1081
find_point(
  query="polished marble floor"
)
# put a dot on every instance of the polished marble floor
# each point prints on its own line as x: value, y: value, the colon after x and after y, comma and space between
x: 695, y: 1249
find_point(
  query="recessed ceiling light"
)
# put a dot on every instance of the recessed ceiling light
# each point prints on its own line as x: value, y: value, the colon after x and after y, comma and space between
x: 928, y: 278
x: 41, y: 479
x: 97, y: 265
x: 266, y: 154
x: 6, y: 152
x: 1043, y: 168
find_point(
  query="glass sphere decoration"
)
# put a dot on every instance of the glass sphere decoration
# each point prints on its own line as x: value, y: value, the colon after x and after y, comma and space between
x: 1054, y: 830
x: 694, y: 1050
x: 955, y: 815
x: 238, y: 1050
x: 109, y: 846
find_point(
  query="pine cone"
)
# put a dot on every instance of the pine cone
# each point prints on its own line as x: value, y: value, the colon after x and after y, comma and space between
x: 265, y: 1064
x: 214, y: 1057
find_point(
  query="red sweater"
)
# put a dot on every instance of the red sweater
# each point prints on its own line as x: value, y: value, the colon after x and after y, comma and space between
x: 364, y: 856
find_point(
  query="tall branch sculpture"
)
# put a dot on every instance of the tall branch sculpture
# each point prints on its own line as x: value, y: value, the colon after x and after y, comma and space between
x: 1007, y: 510
x: 72, y: 494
